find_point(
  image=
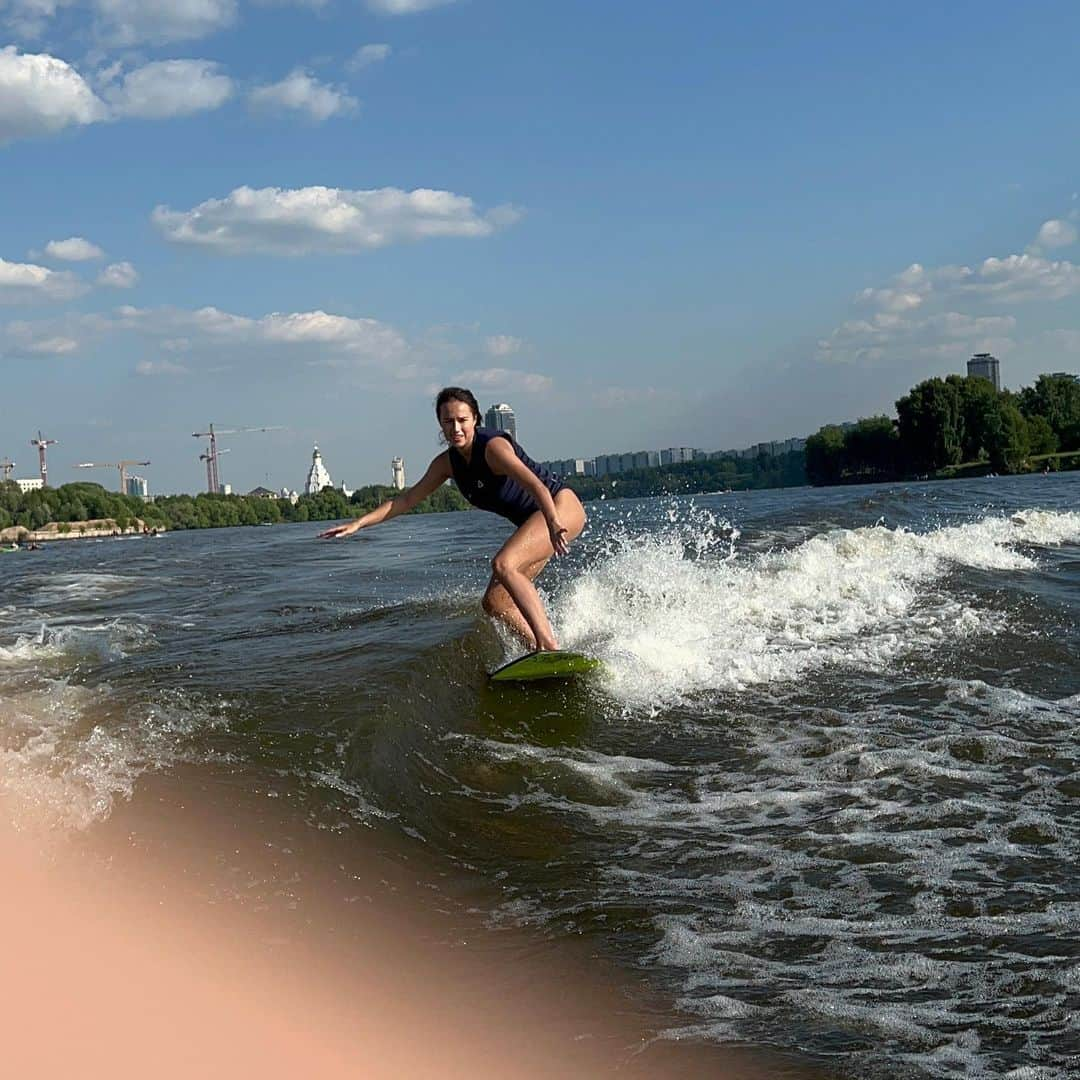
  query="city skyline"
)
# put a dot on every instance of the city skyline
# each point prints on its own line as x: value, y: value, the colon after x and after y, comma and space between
x: 501, y: 417
x: 707, y: 230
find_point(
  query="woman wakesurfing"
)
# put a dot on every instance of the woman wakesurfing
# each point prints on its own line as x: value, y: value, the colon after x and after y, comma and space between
x: 495, y: 474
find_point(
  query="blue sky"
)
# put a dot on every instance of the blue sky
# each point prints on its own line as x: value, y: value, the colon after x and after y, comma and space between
x: 642, y: 225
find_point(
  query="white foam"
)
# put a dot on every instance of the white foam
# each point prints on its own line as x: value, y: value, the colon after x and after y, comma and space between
x: 66, y: 756
x: 673, y: 620
x: 86, y: 585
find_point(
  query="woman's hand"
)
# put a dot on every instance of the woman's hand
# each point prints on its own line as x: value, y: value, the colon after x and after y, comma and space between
x: 339, y: 530
x: 557, y: 532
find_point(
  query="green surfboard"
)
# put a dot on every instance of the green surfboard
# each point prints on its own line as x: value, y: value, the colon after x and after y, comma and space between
x: 556, y: 664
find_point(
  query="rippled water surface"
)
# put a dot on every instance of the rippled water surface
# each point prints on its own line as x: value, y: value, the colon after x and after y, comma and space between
x: 825, y: 795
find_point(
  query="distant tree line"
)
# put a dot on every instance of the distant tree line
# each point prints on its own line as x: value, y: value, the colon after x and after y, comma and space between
x: 706, y: 474
x: 87, y: 502
x: 942, y: 423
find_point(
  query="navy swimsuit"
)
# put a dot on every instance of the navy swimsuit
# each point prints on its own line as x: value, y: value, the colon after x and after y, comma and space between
x: 499, y: 494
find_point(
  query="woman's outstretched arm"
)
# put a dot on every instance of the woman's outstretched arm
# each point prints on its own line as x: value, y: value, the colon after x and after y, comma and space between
x: 438, y: 472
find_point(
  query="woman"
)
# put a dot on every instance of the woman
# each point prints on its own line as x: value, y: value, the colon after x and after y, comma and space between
x: 495, y: 474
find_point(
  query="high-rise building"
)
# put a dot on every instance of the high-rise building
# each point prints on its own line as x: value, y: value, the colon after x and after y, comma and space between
x: 501, y: 418
x: 136, y: 486
x: 397, y: 471
x: 318, y: 477
x: 985, y: 366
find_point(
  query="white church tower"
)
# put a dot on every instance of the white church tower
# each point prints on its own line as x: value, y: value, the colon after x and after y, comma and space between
x: 318, y: 477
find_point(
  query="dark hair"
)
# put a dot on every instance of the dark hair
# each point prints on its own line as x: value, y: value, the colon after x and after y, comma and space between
x: 456, y: 393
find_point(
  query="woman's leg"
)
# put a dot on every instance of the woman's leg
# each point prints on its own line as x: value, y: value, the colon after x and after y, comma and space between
x: 518, y: 562
x: 499, y: 604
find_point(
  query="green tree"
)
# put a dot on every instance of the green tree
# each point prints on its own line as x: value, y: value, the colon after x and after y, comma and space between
x: 1056, y: 397
x: 1010, y: 443
x: 1041, y: 434
x: 825, y: 457
x: 930, y: 420
x: 872, y: 449
x: 979, y: 405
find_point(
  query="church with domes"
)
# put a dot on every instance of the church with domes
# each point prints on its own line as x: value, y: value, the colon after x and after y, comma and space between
x: 318, y: 476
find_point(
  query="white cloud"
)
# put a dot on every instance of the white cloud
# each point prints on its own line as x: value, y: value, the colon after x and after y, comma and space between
x: 313, y: 336
x: 947, y: 335
x: 49, y: 337
x: 320, y: 220
x: 121, y: 275
x: 302, y: 93
x: 504, y: 379
x: 503, y: 345
x: 157, y: 22
x: 367, y: 55
x: 27, y: 18
x: 404, y: 7
x: 40, y: 94
x: 1056, y: 233
x: 160, y: 367
x: 22, y: 282
x: 170, y: 88
x: 918, y: 312
x: 1018, y: 278
x: 54, y: 346
x: 74, y: 249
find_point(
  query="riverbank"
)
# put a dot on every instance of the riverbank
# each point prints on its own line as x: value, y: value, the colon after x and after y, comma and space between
x: 78, y: 530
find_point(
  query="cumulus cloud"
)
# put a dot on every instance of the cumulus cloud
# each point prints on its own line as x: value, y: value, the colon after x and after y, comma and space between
x: 920, y: 312
x: 58, y: 336
x: 1018, y: 278
x: 949, y: 334
x: 502, y: 345
x: 320, y: 220
x: 121, y: 275
x: 74, y: 249
x: 170, y: 88
x: 158, y: 22
x: 367, y: 55
x: 53, y: 346
x: 40, y: 94
x: 505, y: 379
x: 28, y: 18
x: 1056, y: 233
x: 27, y: 282
x: 301, y: 92
x: 314, y: 336
x: 404, y: 7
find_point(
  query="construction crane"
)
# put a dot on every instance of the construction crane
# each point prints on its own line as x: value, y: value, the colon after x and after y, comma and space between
x: 211, y: 465
x: 213, y: 480
x: 42, y: 444
x: 7, y: 465
x: 121, y: 465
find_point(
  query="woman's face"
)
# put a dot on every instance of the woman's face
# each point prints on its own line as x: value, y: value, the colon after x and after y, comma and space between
x: 458, y: 424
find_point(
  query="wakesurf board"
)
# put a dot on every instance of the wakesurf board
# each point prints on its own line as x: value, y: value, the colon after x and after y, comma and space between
x: 548, y: 664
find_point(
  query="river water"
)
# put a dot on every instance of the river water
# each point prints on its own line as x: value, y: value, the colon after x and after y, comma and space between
x: 823, y: 799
